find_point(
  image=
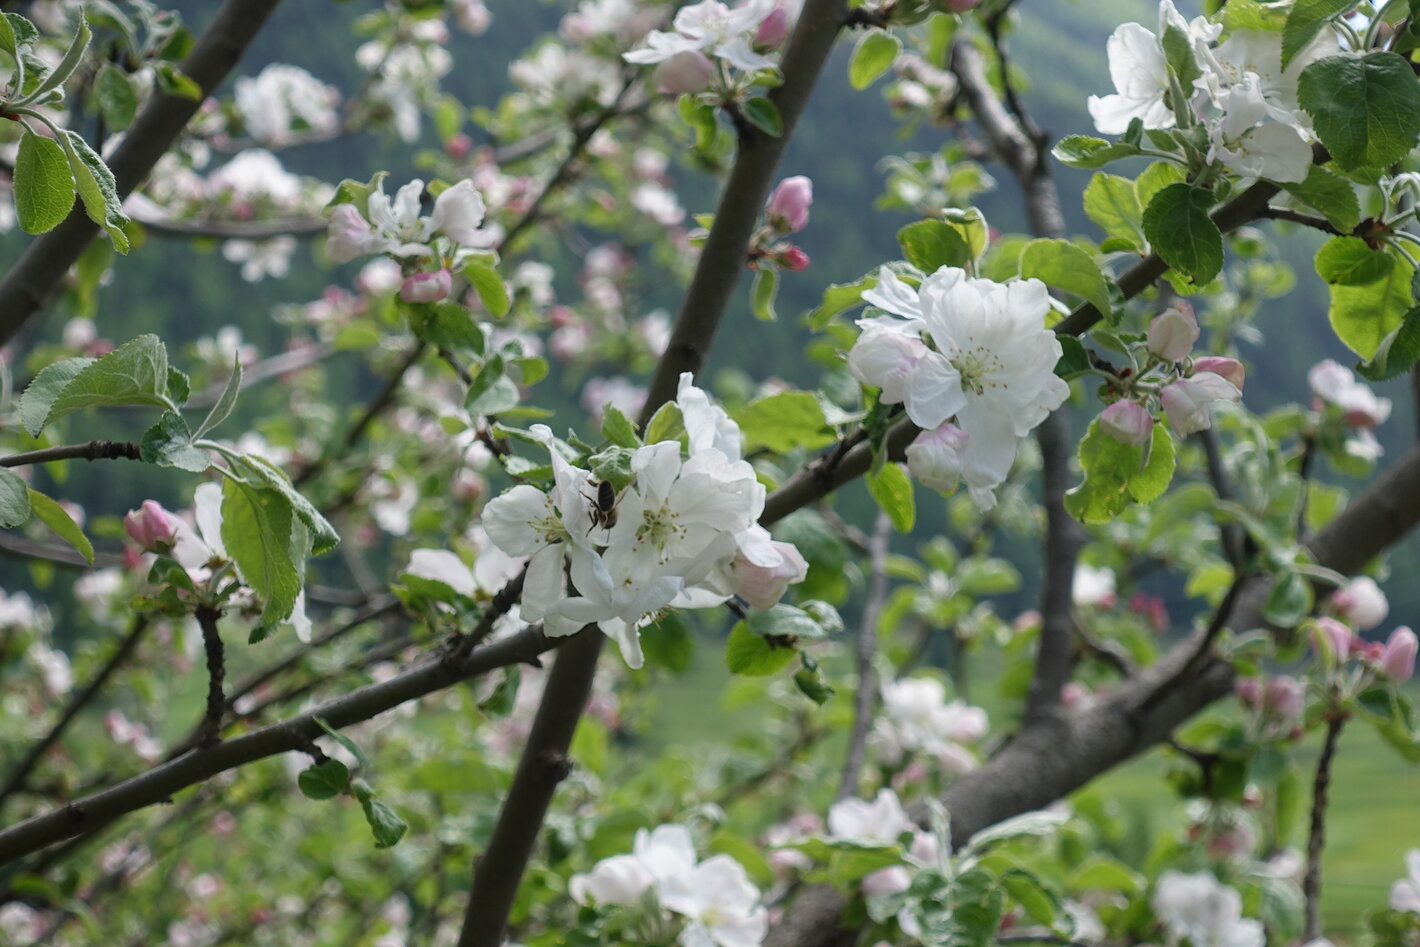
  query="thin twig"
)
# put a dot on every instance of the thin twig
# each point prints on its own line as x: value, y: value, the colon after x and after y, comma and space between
x: 1316, y: 838
x: 865, y: 698
x: 1272, y: 212
x: 216, y: 669
x: 93, y: 450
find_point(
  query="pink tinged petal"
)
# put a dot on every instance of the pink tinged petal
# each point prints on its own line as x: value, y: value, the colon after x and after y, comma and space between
x: 1229, y: 368
x: 349, y: 236
x: 885, y: 358
x: 887, y: 881
x: 1361, y: 603
x: 1330, y: 636
x: 1398, y: 659
x: 789, y: 204
x: 1172, y: 333
x: 935, y: 457
x: 685, y: 73
x: 1128, y: 423
x: 933, y: 392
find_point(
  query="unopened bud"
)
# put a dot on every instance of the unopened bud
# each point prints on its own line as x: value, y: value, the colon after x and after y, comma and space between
x: 1229, y: 368
x: 151, y: 526
x: 1172, y: 333
x: 427, y: 287
x: 685, y: 73
x: 1128, y: 423
x: 789, y: 204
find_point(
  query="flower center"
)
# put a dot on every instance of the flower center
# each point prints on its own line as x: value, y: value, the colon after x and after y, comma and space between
x: 977, y: 365
x: 659, y: 527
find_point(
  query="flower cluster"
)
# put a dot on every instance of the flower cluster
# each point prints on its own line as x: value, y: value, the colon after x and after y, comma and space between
x: 715, y: 898
x: 916, y: 718
x: 1393, y: 659
x: 738, y: 36
x: 282, y: 102
x: 1186, y: 389
x: 395, y: 227
x: 1200, y: 909
x: 1348, y: 406
x: 1405, y: 893
x: 682, y: 533
x: 970, y: 349
x: 786, y: 213
x: 1238, y: 89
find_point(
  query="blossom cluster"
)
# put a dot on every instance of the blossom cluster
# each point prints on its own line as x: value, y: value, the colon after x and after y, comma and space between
x: 970, y: 349
x: 1187, y: 389
x: 1348, y: 405
x: 427, y: 246
x: 738, y: 36
x: 684, y: 533
x: 1238, y: 89
x: 917, y: 718
x: 1200, y: 909
x: 283, y: 102
x: 718, y: 903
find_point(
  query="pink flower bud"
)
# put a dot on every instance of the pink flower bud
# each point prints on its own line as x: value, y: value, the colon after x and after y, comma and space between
x: 763, y: 585
x: 1329, y: 635
x: 151, y: 526
x: 1229, y: 368
x: 1128, y: 423
x: 427, y: 287
x: 794, y: 259
x: 1249, y: 691
x: 1398, y: 659
x: 789, y: 205
x: 685, y: 73
x: 935, y: 458
x: 1286, y: 697
x: 1360, y: 603
x: 458, y: 146
x: 1172, y: 333
x: 1188, y: 402
x: 773, y: 29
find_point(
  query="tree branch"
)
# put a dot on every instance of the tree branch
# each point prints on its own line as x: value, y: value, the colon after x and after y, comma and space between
x: 865, y: 698
x: 93, y: 450
x: 216, y: 671
x: 29, y: 282
x: 1271, y: 212
x: 1316, y: 837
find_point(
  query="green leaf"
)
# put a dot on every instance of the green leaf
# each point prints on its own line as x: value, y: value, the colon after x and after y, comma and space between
x: 891, y: 489
x: 784, y: 421
x: 1028, y: 892
x: 1179, y: 55
x: 72, y: 57
x: 118, y: 102
x: 53, y: 515
x: 169, y: 444
x: 1363, y: 316
x: 1304, y: 21
x: 1366, y: 109
x: 1062, y: 265
x: 809, y: 680
x: 385, y: 826
x: 223, y: 408
x: 873, y: 55
x: 786, y: 621
x: 500, y: 702
x: 134, y: 373
x: 175, y: 82
x: 324, y: 780
x: 1155, y: 178
x: 97, y: 188
x: 1086, y: 151
x: 1289, y: 601
x: 930, y: 244
x: 447, y: 325
x: 1113, y: 204
x: 1179, y: 229
x: 323, y: 536
x: 350, y: 191
x: 753, y: 656
x: 1398, y: 351
x: 1074, y: 359
x: 1331, y: 194
x: 617, y: 427
x: 667, y: 424
x: 1117, y: 475
x: 490, y: 287
x: 14, y: 499
x: 17, y: 35
x: 256, y: 529
x: 44, y: 185
x: 360, y: 758
x: 761, y: 294
x: 668, y: 642
x: 1041, y: 822
x: 763, y: 115
x: 1350, y: 261
x: 837, y: 298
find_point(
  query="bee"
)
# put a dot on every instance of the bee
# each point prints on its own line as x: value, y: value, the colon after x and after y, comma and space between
x: 603, y: 505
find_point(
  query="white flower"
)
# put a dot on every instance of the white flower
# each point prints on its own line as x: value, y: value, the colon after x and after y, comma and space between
x: 281, y: 99
x: 1251, y: 147
x: 884, y: 357
x: 1092, y: 586
x: 1361, y: 603
x: 1405, y: 893
x: 1140, y: 73
x: 394, y: 225
x: 458, y: 214
x: 1255, y: 56
x: 1189, y: 402
x: 764, y: 569
x: 711, y: 27
x: 1200, y: 909
x: 720, y: 903
x: 917, y: 718
x: 992, y: 365
x: 261, y: 258
x: 882, y: 820
x: 255, y: 174
x: 1334, y: 384
x: 620, y: 879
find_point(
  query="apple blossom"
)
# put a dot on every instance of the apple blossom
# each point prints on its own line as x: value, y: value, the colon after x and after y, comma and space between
x: 394, y: 225
x: 1189, y: 402
x: 1329, y: 636
x: 1093, y: 586
x: 992, y: 366
x: 788, y: 208
x: 1140, y: 73
x: 151, y: 526
x: 1229, y: 368
x: 794, y: 259
x: 710, y: 26
x: 882, y: 820
x: 1397, y: 661
x: 1361, y: 603
x: 1128, y: 423
x: 620, y: 879
x: 1405, y: 893
x: 885, y: 357
x: 1336, y: 385
x: 761, y: 580
x: 935, y: 457
x: 1173, y: 332
x: 773, y: 29
x: 427, y: 287
x: 1285, y: 697
x: 1200, y: 909
x: 686, y: 73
